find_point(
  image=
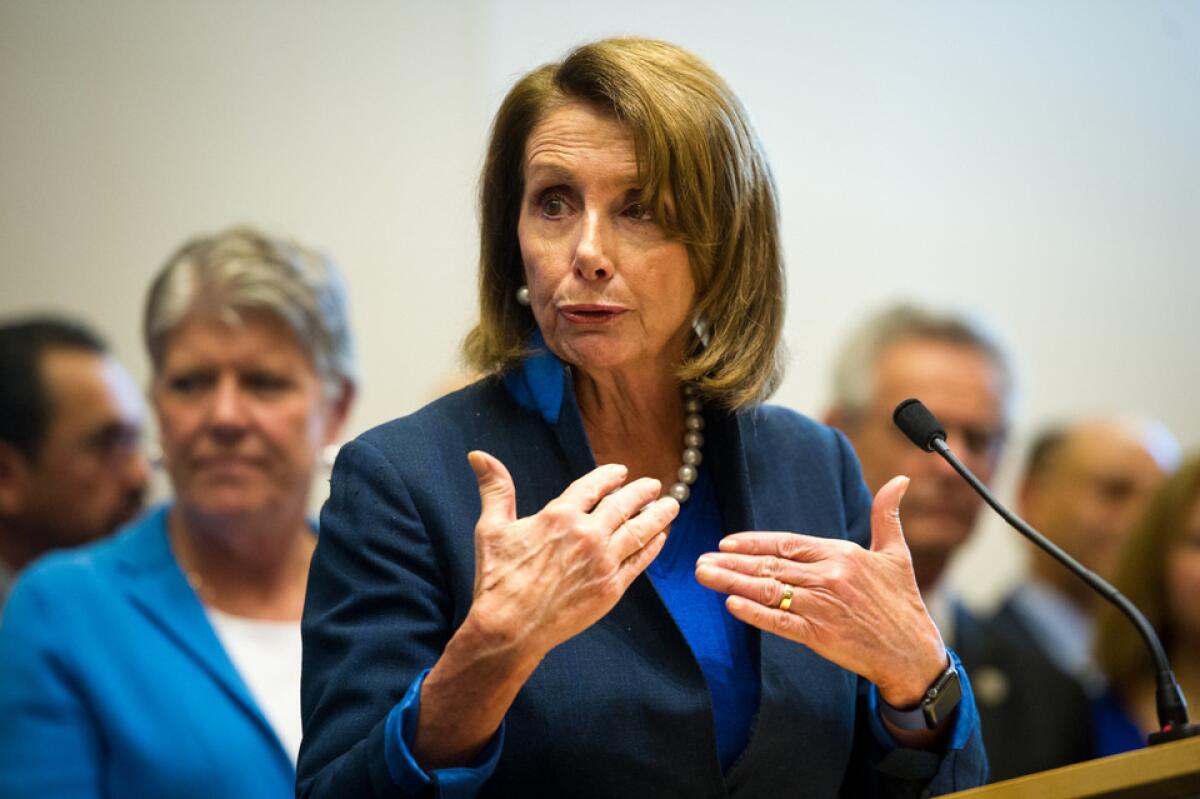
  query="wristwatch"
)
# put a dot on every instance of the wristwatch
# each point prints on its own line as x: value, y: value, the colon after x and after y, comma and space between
x: 935, y: 707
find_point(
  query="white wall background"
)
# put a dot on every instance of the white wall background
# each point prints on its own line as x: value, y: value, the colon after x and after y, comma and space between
x: 1033, y: 161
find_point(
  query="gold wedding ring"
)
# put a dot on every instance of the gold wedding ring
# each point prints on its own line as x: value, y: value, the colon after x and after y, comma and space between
x: 786, y: 602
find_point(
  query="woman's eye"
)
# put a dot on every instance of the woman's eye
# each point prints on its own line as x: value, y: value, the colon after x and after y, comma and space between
x: 188, y: 383
x: 552, y: 204
x: 265, y: 382
x: 639, y: 211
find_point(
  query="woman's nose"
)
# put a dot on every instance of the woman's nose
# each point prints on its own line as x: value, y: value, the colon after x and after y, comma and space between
x: 593, y: 257
x: 228, y: 411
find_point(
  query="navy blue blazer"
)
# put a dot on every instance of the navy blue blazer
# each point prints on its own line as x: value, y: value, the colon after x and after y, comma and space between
x: 623, y: 708
x: 114, y: 684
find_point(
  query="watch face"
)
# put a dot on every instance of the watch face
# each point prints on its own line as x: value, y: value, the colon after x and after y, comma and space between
x: 942, y: 698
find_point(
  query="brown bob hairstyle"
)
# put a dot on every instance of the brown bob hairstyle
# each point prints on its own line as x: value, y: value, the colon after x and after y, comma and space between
x: 1142, y: 577
x: 703, y: 173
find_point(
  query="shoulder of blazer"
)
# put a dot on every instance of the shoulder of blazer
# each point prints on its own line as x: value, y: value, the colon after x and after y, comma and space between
x: 781, y: 443
x: 790, y: 433
x: 479, y: 403
x: 140, y: 545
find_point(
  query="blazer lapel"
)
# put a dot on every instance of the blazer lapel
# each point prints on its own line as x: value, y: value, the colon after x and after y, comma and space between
x: 152, y: 580
x: 727, y: 458
x: 785, y: 667
x: 570, y: 433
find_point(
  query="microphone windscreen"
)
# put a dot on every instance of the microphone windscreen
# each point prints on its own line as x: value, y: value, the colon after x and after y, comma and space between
x: 918, y: 423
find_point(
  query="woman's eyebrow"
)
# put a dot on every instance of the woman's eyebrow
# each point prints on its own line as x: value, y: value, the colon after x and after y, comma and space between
x: 541, y: 167
x: 546, y: 170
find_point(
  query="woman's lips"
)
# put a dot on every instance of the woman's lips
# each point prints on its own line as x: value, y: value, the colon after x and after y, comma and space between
x: 590, y: 314
x: 228, y: 462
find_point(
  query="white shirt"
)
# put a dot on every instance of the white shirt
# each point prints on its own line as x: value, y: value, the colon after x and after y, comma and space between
x: 267, y: 655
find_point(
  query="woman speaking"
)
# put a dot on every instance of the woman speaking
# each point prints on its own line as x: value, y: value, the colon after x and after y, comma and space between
x: 491, y: 612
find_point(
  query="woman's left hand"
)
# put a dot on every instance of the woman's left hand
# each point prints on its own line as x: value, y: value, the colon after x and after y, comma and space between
x: 859, y: 608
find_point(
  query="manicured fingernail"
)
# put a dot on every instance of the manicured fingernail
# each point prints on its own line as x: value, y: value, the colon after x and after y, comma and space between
x: 729, y: 545
x: 706, y: 571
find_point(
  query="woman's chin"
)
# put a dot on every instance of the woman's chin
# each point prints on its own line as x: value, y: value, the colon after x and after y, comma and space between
x: 228, y: 502
x: 592, y: 353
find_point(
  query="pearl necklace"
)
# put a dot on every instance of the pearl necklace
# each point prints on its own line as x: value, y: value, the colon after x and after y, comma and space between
x: 693, y: 439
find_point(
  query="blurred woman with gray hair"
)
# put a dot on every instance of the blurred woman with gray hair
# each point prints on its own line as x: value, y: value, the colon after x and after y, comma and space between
x: 166, y: 662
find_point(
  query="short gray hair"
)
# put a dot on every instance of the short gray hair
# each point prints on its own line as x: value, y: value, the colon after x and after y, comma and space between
x: 854, y: 369
x: 242, y: 270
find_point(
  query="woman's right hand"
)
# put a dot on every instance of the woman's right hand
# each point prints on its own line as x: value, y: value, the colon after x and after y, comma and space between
x: 538, y: 582
x: 545, y: 578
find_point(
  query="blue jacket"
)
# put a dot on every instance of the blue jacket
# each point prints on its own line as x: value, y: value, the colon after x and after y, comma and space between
x: 621, y: 709
x: 114, y: 684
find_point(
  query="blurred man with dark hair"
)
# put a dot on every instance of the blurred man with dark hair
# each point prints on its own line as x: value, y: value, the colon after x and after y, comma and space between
x: 1033, y: 716
x: 1085, y: 485
x: 71, y: 465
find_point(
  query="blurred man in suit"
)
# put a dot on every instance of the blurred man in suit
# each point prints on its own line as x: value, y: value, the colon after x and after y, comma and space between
x: 1084, y: 486
x: 71, y: 465
x: 1034, y: 717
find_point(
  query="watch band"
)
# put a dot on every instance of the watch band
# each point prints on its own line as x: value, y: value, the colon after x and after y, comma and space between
x: 939, y: 702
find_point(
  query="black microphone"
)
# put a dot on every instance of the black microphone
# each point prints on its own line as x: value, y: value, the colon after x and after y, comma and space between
x: 924, y: 430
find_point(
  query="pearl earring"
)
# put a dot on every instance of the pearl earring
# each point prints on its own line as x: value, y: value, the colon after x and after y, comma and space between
x: 523, y: 295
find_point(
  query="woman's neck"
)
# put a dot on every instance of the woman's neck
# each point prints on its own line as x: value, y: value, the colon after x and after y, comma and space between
x: 251, y: 567
x: 633, y: 419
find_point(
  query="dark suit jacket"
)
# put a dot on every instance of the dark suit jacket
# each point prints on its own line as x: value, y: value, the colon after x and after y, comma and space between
x: 1034, y: 717
x: 623, y: 708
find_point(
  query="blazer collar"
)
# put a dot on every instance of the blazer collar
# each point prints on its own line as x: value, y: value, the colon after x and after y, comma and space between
x: 151, y: 578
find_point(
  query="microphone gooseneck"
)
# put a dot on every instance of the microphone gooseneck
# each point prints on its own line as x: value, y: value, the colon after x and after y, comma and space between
x: 923, y: 429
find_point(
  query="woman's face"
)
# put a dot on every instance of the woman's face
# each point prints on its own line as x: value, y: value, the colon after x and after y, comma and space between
x: 609, y: 290
x: 1183, y: 579
x: 242, y: 416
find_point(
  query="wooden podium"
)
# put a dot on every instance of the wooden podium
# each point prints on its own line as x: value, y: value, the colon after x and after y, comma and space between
x: 1168, y: 771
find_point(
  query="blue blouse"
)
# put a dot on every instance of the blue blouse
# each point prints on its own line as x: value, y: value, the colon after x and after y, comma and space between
x: 724, y: 647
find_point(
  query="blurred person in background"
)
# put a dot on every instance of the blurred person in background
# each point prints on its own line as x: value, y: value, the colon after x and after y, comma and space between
x: 71, y: 465
x: 1159, y: 571
x: 1033, y: 717
x: 1084, y: 487
x: 166, y: 661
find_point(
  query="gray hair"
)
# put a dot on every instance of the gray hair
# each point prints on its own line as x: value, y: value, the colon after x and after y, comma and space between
x: 854, y: 369
x: 242, y: 270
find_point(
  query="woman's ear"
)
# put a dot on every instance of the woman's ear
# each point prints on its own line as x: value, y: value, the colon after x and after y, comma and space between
x: 339, y: 410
